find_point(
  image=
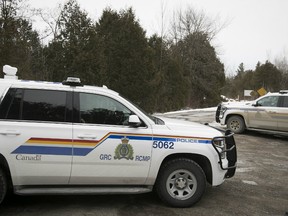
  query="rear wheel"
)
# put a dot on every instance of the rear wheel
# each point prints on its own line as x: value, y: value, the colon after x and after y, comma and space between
x: 3, y: 185
x: 236, y: 124
x: 181, y: 183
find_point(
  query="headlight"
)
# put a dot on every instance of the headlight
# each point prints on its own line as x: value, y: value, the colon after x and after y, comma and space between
x: 222, y: 111
x: 219, y: 142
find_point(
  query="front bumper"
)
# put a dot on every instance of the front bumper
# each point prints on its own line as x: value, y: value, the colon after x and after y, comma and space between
x: 230, y: 151
x: 217, y: 118
x: 220, y: 114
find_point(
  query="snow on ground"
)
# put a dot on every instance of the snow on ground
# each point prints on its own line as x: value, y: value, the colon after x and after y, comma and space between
x: 213, y: 109
x: 205, y: 115
x: 238, y: 103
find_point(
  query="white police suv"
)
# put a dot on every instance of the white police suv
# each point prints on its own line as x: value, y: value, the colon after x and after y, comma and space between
x: 66, y: 138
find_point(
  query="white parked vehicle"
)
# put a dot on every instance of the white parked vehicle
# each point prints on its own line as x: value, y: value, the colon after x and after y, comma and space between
x: 66, y: 138
x: 267, y: 113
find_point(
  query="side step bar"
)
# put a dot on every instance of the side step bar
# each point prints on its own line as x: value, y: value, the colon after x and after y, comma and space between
x: 80, y: 190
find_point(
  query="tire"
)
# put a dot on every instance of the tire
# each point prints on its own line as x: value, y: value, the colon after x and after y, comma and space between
x: 181, y: 183
x: 3, y: 185
x: 236, y: 124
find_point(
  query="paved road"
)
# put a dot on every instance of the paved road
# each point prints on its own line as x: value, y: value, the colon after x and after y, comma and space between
x: 258, y: 188
x: 202, y: 116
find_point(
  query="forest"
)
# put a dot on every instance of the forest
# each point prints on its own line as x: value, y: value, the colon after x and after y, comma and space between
x: 159, y: 73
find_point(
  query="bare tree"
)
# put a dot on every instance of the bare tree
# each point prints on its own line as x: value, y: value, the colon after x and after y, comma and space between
x: 51, y: 18
x: 193, y: 21
x: 163, y: 11
x: 191, y: 33
x: 15, y: 8
x: 281, y: 62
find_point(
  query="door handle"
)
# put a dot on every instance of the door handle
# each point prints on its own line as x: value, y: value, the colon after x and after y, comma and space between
x: 87, y: 136
x: 10, y: 132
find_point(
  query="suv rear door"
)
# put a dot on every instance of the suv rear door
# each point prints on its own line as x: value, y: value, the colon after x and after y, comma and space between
x: 283, y: 114
x: 36, y: 135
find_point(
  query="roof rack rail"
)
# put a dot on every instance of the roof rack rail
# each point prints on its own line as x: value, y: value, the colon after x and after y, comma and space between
x: 72, y: 81
x: 283, y: 91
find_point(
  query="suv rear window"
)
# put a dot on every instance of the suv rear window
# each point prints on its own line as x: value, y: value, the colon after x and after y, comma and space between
x: 34, y: 104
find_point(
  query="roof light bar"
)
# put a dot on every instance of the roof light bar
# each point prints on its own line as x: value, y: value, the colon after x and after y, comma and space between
x: 72, y: 81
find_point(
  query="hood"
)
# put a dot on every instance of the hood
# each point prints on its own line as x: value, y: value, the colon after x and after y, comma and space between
x: 238, y: 104
x: 187, y: 128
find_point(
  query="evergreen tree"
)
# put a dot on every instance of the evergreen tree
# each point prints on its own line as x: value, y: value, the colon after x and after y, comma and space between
x: 282, y: 65
x: 268, y: 76
x: 192, y: 32
x: 170, y: 86
x: 19, y: 44
x: 126, y: 57
x: 71, y: 53
x: 202, y: 69
x: 265, y: 75
x: 240, y: 71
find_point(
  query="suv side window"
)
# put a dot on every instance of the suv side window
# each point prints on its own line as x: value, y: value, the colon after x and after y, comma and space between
x: 44, y: 105
x: 10, y: 106
x: 99, y: 109
x: 285, y: 101
x: 270, y: 101
x: 34, y: 104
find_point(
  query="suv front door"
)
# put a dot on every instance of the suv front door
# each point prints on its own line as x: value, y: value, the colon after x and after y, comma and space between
x: 264, y: 114
x: 106, y: 149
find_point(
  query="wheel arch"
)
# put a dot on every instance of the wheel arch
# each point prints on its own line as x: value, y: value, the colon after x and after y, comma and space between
x: 5, y: 167
x: 239, y: 115
x: 201, y: 160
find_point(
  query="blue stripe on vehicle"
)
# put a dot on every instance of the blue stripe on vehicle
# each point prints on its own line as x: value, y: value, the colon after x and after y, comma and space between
x: 205, y: 141
x: 82, y: 151
x: 146, y: 138
x: 130, y: 137
x: 44, y: 150
x: 69, y: 151
x: 168, y: 139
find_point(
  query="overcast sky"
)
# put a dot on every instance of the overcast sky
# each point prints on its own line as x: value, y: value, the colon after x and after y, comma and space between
x: 257, y: 29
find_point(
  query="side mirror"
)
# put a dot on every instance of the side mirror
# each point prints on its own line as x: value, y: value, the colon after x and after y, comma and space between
x: 256, y: 104
x: 134, y: 121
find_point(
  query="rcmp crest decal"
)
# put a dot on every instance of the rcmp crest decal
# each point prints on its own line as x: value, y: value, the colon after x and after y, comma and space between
x: 124, y: 150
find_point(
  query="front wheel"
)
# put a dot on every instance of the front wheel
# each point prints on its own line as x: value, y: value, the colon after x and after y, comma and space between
x: 3, y: 185
x: 181, y: 183
x: 236, y: 124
